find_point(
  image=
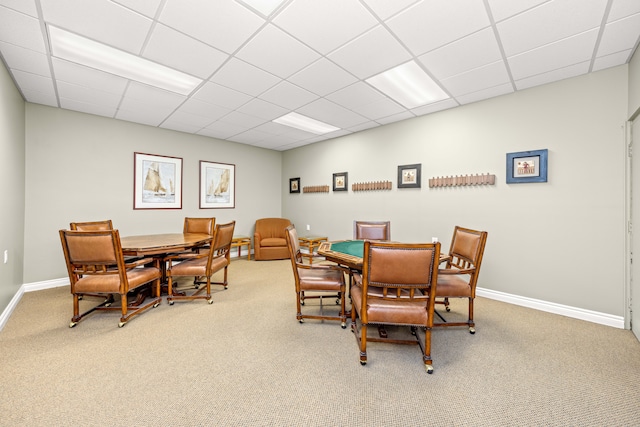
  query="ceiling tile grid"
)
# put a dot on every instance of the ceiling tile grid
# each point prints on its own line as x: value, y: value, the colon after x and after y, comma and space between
x: 254, y: 61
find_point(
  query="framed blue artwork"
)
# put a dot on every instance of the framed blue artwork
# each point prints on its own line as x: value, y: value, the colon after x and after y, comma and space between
x: 527, y: 166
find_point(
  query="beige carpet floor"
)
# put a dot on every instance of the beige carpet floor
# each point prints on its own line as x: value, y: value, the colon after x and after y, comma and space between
x: 246, y: 361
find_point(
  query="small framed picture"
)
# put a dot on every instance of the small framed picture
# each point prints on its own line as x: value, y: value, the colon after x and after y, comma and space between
x: 217, y: 185
x: 409, y: 176
x: 340, y: 181
x: 157, y: 181
x: 294, y: 185
x: 527, y: 166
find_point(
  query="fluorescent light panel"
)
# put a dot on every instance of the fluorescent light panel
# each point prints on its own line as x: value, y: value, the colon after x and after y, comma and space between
x: 409, y: 85
x: 73, y: 48
x: 305, y: 123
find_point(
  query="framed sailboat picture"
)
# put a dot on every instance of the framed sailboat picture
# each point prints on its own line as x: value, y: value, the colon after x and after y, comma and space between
x: 217, y: 185
x: 157, y: 182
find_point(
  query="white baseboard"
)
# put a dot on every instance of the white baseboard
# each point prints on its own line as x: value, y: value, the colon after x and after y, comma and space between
x: 550, y: 307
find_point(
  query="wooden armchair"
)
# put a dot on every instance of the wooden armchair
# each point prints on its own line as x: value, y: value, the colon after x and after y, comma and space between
x: 315, y: 281
x: 397, y: 287
x: 269, y: 239
x: 96, y: 266
x: 202, y: 265
x: 372, y: 230
x: 459, y: 276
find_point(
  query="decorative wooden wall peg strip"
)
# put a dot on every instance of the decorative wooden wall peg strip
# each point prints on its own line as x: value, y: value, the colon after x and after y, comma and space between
x: 316, y: 189
x: 455, y: 181
x: 371, y: 186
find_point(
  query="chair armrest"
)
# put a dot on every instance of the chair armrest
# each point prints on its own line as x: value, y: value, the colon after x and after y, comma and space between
x: 456, y: 271
x: 322, y: 267
x: 181, y: 256
x: 139, y: 262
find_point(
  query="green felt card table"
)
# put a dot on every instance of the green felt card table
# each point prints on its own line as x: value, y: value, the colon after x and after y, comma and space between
x: 344, y: 252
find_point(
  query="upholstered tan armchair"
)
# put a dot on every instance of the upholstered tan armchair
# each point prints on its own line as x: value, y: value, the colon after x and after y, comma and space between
x: 269, y: 239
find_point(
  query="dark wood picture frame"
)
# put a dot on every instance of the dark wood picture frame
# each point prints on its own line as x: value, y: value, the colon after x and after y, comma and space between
x: 340, y: 181
x: 410, y: 176
x: 294, y: 185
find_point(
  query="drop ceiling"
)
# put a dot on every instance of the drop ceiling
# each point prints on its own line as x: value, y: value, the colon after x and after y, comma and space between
x: 259, y: 60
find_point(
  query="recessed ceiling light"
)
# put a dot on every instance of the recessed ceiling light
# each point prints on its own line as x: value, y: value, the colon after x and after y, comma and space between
x: 305, y: 123
x: 80, y: 50
x: 409, y: 85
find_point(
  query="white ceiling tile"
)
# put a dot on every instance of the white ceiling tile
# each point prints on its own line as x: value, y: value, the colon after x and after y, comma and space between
x: 142, y: 114
x: 87, y: 107
x: 146, y: 7
x: 181, y: 52
x: 48, y: 98
x: 87, y: 95
x: 250, y: 137
x: 205, y: 109
x: 554, y: 75
x: 179, y: 126
x: 288, y: 95
x: 431, y: 23
x: 385, y: 8
x: 362, y: 56
x: 550, y: 22
x: 221, y: 23
x: 34, y: 82
x: 28, y: 60
x: 323, y: 77
x: 142, y: 96
x: 553, y: 56
x: 307, y: 21
x: 221, y: 130
x: 220, y: 95
x: 276, y: 52
x: 99, y: 20
x: 242, y: 119
x: 89, y: 77
x: 264, y: 7
x: 612, y: 60
x: 21, y: 30
x: 620, y: 35
x: 365, y: 100
x: 191, y: 120
x: 25, y: 6
x: 263, y: 109
x: 502, y: 9
x: 486, y: 94
x: 435, y: 107
x: 395, y: 118
x: 622, y: 8
x: 470, y: 52
x: 243, y: 77
x: 331, y: 113
x: 477, y: 79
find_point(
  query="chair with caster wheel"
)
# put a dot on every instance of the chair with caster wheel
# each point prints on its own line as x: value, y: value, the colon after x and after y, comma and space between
x: 202, y: 265
x: 459, y: 276
x: 96, y: 266
x: 316, y: 281
x: 397, y: 287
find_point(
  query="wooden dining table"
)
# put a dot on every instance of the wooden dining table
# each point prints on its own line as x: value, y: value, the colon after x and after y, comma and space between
x: 159, y: 246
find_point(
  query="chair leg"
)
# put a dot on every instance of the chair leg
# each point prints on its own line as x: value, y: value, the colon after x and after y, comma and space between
x: 299, y: 304
x: 472, y: 325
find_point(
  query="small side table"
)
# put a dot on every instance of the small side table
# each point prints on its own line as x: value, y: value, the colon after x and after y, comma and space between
x: 311, y: 243
x: 239, y: 242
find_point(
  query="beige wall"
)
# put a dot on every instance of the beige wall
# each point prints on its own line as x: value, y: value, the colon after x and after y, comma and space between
x: 12, y: 170
x: 634, y: 84
x: 80, y: 168
x: 562, y: 241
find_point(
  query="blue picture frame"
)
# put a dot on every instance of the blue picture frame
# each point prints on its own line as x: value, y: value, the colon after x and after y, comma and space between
x: 527, y: 166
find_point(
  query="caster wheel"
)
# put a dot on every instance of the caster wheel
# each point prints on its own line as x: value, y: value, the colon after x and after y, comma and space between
x: 210, y: 301
x: 121, y: 324
x: 344, y: 325
x: 171, y: 302
x: 429, y: 369
x: 108, y: 304
x: 337, y: 302
x: 301, y: 320
x: 472, y: 330
x: 448, y: 309
x: 363, y: 362
x: 156, y: 304
x: 301, y: 302
x: 72, y: 324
